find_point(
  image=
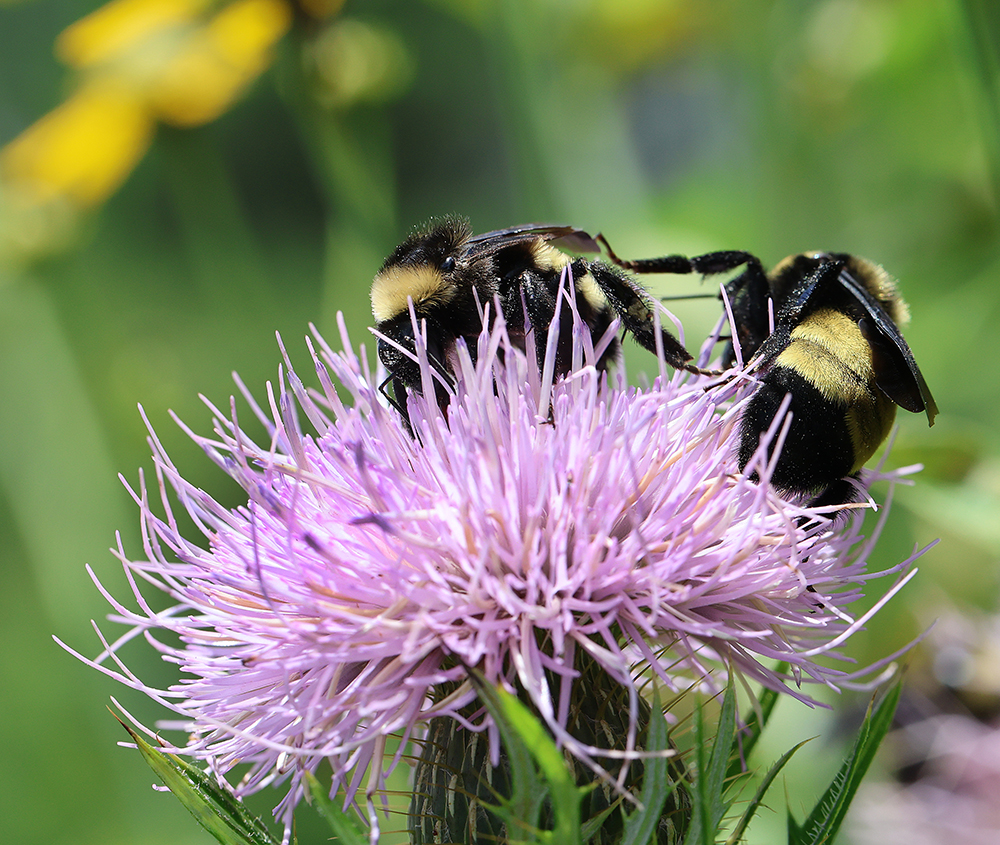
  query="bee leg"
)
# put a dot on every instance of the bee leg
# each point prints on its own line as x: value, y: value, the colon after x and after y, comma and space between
x: 634, y: 308
x: 397, y: 399
x: 709, y: 264
x: 679, y: 264
x: 798, y: 299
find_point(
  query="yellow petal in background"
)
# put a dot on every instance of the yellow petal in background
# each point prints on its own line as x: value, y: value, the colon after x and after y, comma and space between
x: 218, y: 62
x: 120, y: 26
x: 81, y: 151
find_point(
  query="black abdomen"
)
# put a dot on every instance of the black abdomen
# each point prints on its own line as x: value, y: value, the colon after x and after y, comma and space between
x: 817, y: 450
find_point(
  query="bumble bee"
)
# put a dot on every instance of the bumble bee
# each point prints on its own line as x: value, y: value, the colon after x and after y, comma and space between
x: 451, y: 275
x: 835, y: 350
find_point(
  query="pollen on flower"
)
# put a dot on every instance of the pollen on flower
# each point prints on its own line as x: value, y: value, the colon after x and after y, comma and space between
x: 526, y: 525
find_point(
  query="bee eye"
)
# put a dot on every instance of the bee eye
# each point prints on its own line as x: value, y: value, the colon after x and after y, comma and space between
x: 448, y: 264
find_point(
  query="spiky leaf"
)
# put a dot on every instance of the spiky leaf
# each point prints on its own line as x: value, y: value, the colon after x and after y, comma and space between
x: 824, y: 821
x: 214, y: 808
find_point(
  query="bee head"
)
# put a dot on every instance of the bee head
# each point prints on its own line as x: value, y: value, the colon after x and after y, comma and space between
x: 423, y: 268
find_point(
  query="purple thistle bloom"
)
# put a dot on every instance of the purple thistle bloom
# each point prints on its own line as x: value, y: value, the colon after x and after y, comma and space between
x: 343, y: 604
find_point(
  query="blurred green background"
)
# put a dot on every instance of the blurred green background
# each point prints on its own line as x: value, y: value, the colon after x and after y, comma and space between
x: 867, y: 126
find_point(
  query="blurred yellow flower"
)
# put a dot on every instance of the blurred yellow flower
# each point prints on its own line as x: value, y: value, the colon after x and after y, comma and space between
x: 122, y: 27
x: 140, y: 62
x: 218, y: 61
x: 83, y: 150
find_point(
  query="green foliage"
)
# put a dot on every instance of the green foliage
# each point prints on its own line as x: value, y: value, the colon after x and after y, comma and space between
x: 711, y: 759
x: 753, y: 728
x: 758, y: 798
x: 541, y: 774
x: 213, y: 807
x: 657, y: 785
x: 827, y: 816
x: 343, y: 825
x: 528, y: 745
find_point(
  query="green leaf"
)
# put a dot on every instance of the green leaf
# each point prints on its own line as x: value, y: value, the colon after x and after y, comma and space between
x: 525, y: 740
x: 758, y: 797
x: 824, y: 821
x: 707, y: 791
x: 657, y: 786
x: 794, y: 830
x: 343, y: 825
x: 753, y: 728
x: 700, y: 800
x: 592, y: 826
x: 213, y: 807
x: 522, y: 811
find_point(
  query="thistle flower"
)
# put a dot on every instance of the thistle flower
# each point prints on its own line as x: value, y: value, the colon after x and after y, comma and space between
x: 534, y: 525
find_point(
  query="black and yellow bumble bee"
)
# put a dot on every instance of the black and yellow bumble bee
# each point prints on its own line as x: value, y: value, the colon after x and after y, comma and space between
x: 835, y: 350
x: 451, y: 275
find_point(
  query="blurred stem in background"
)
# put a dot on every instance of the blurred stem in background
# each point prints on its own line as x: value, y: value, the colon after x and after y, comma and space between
x: 335, y: 81
x: 527, y: 97
x: 982, y: 34
x: 213, y: 228
x: 55, y: 470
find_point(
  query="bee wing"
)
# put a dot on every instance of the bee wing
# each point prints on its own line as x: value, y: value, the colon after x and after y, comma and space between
x: 568, y: 237
x: 896, y: 370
